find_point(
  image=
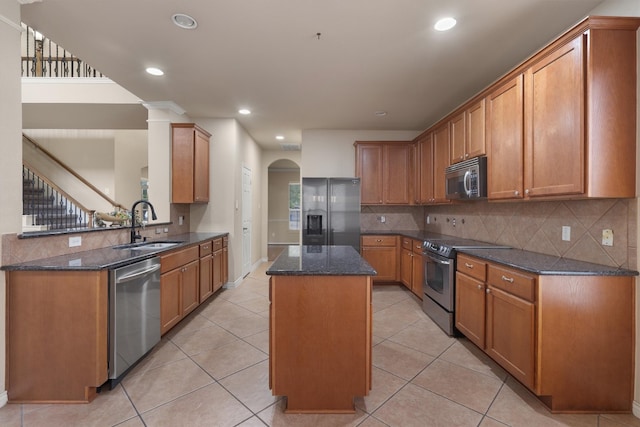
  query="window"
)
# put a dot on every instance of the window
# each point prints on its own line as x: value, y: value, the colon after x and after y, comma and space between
x: 294, y: 206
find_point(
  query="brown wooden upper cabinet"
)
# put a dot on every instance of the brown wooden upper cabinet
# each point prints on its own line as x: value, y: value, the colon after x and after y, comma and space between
x: 385, y: 170
x: 563, y: 124
x: 189, y: 163
x: 468, y: 133
x: 432, y: 151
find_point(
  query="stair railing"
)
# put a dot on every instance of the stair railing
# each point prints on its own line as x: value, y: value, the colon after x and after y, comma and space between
x: 63, y: 165
x: 49, y: 206
x: 41, y: 57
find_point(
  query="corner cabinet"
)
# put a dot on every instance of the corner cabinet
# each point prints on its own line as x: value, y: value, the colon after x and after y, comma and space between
x: 189, y: 163
x: 573, y: 107
x: 568, y: 338
x: 386, y: 172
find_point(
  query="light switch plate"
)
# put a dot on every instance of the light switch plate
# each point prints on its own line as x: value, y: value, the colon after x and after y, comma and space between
x: 566, y: 233
x: 607, y: 237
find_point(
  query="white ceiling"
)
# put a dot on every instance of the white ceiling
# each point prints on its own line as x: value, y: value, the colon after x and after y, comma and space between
x: 372, y: 55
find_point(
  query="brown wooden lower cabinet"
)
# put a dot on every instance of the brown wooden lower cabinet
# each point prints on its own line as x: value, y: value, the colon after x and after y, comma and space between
x: 381, y: 252
x: 56, y: 335
x: 569, y: 339
x: 412, y: 265
x: 320, y: 341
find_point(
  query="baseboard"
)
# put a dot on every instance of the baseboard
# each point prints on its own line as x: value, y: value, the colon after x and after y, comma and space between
x: 636, y: 409
x: 236, y: 283
x: 4, y: 398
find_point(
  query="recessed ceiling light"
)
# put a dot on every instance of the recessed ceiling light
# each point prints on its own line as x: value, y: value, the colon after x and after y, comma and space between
x: 445, y: 24
x: 184, y: 21
x: 380, y: 113
x: 155, y: 71
x: 244, y: 111
x: 279, y: 137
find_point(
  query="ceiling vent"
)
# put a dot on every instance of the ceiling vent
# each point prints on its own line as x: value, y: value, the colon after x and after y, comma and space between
x: 290, y: 147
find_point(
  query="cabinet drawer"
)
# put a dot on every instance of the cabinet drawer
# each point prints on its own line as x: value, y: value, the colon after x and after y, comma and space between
x: 178, y: 258
x: 417, y: 247
x: 406, y: 243
x: 378, y: 240
x: 205, y: 248
x: 472, y: 267
x: 217, y: 244
x: 512, y: 281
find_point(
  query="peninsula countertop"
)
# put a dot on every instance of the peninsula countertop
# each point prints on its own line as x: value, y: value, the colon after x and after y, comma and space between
x: 109, y: 257
x: 315, y: 260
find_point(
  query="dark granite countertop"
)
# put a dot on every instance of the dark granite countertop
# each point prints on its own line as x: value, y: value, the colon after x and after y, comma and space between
x: 546, y: 264
x: 109, y: 257
x: 302, y: 260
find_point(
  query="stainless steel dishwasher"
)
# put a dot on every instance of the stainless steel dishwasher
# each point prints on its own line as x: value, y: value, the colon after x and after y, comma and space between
x: 134, y: 314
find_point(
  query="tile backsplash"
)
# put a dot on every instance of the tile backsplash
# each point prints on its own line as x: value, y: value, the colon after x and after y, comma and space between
x: 532, y: 226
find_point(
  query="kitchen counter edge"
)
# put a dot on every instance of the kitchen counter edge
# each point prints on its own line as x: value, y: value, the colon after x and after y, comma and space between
x: 108, y: 257
x: 302, y: 260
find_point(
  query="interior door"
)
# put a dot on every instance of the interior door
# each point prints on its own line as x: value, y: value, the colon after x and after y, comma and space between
x: 246, y: 221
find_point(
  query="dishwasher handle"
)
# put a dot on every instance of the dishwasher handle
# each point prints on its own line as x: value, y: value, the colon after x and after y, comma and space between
x: 137, y: 274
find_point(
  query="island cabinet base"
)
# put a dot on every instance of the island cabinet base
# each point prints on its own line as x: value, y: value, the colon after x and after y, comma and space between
x: 56, y: 335
x: 320, y: 341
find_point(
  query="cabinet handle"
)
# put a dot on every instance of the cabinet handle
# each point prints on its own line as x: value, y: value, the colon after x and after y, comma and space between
x: 466, y: 155
x: 488, y: 290
x: 516, y: 193
x: 507, y: 279
x: 379, y: 240
x: 479, y: 286
x: 205, y: 247
x: 466, y: 264
x: 526, y: 191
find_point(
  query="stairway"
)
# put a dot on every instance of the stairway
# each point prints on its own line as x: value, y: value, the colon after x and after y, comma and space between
x: 43, y: 208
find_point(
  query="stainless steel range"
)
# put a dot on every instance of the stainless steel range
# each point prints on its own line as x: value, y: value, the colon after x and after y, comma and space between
x: 439, y: 257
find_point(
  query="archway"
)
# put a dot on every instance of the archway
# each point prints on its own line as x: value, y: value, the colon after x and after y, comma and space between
x: 283, y: 214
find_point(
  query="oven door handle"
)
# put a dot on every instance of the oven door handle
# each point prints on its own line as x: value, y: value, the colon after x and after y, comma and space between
x: 437, y: 260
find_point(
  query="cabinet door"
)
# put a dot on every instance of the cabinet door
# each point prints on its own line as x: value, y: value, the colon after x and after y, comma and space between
x: 440, y: 162
x: 426, y: 169
x: 406, y: 267
x: 510, y: 334
x: 417, y: 269
x: 190, y: 287
x: 415, y: 175
x: 201, y: 167
x: 170, y: 299
x: 206, y: 277
x: 458, y: 138
x: 369, y: 170
x: 397, y: 174
x: 383, y: 260
x: 217, y: 270
x: 554, y: 117
x: 475, y: 141
x: 225, y: 265
x: 505, y: 127
x: 182, y: 159
x: 470, y: 308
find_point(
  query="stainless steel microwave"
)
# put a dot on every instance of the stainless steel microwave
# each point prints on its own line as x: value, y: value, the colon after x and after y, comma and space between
x: 467, y: 180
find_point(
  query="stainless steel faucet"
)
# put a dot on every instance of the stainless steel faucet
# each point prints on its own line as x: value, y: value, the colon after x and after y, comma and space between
x: 134, y: 235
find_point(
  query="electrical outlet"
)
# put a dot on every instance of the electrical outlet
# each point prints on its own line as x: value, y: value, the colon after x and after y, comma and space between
x: 607, y: 237
x: 158, y: 230
x: 180, y: 220
x: 428, y: 219
x: 566, y: 233
x: 383, y: 219
x: 75, y: 241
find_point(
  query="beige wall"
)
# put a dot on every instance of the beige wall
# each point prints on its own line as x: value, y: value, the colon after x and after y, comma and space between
x: 130, y: 159
x: 278, y: 212
x: 331, y: 153
x: 10, y: 147
x: 231, y: 147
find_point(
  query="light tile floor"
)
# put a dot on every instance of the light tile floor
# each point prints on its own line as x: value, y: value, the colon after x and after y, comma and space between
x: 212, y: 370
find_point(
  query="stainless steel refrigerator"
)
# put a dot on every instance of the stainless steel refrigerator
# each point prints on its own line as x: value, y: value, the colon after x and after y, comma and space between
x: 331, y: 211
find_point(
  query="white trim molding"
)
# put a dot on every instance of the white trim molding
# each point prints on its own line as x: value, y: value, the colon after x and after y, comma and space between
x: 164, y: 105
x: 10, y: 23
x: 4, y: 398
x: 636, y: 409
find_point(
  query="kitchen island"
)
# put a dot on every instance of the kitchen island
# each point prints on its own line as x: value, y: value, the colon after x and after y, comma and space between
x: 320, y: 323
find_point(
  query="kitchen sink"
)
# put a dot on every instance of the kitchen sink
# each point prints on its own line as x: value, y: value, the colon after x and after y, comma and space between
x: 148, y: 246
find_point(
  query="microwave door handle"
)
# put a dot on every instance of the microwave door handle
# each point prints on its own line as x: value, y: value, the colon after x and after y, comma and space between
x: 467, y: 175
